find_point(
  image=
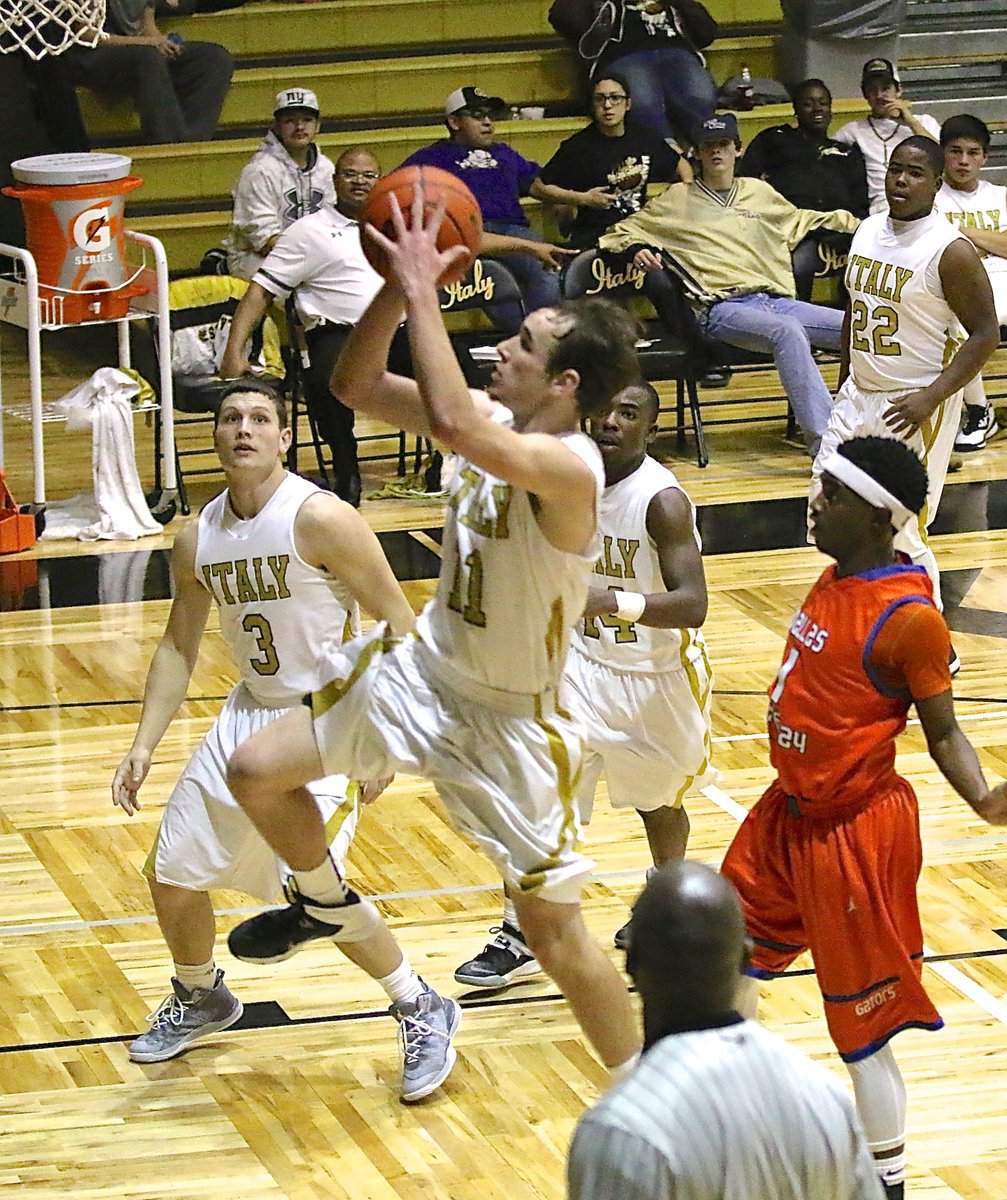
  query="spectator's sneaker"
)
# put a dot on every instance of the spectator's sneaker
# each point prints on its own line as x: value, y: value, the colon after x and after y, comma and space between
x: 977, y: 429
x: 621, y: 938
x: 279, y: 933
x: 500, y: 962
x: 954, y: 662
x: 184, y: 1018
x: 426, y: 1027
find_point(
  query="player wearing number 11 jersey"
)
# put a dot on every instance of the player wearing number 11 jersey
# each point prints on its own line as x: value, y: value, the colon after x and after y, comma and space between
x: 920, y: 324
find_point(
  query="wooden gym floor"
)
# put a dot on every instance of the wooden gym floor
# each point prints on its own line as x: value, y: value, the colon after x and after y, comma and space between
x: 300, y: 1101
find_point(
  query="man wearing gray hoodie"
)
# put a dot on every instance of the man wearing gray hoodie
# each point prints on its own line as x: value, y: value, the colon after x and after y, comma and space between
x: 287, y: 178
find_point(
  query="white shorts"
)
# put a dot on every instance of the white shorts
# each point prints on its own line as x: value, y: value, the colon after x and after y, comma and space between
x: 862, y: 414
x: 206, y: 841
x: 648, y: 734
x: 506, y: 778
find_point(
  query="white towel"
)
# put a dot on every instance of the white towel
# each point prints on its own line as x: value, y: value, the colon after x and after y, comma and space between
x: 102, y: 404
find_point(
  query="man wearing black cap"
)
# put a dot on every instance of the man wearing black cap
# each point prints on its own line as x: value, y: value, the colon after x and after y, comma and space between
x: 498, y: 177
x: 889, y: 122
x: 729, y: 241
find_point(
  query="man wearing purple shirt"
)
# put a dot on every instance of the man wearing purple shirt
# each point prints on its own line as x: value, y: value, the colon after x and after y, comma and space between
x: 498, y: 177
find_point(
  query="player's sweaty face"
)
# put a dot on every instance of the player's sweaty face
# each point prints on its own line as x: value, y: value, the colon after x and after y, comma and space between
x: 622, y: 434
x: 520, y: 379
x: 248, y: 431
x: 910, y: 183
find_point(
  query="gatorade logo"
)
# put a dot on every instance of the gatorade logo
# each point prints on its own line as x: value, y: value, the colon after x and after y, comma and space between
x: 91, y: 229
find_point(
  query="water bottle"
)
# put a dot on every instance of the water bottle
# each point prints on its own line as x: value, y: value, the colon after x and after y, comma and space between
x: 746, y: 92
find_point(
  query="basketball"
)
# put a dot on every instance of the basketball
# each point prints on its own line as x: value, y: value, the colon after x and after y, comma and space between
x: 462, y: 224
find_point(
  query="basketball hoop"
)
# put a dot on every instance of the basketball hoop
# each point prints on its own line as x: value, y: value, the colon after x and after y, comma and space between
x: 43, y: 28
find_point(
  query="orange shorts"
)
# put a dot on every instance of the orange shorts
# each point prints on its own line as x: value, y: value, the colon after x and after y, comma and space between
x: 845, y: 889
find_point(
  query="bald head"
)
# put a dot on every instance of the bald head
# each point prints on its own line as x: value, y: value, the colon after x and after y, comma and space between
x: 687, y: 942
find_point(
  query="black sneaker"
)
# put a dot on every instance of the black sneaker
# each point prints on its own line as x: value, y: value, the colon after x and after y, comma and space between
x: 276, y: 935
x: 621, y: 938
x: 977, y: 428
x: 501, y: 962
x: 954, y: 662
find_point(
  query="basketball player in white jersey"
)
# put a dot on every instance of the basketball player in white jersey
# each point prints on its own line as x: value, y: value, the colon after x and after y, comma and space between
x: 719, y: 1108
x: 470, y: 702
x: 978, y: 209
x: 287, y: 565
x: 637, y: 678
x: 915, y: 283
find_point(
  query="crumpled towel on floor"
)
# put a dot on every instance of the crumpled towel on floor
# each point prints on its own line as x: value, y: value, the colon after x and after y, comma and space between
x: 117, y: 508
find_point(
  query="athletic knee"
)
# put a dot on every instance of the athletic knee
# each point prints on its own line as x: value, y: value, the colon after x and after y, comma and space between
x: 247, y: 774
x: 556, y: 943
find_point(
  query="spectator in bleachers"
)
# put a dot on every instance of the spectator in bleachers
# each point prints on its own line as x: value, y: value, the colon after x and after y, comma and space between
x: 321, y: 257
x: 600, y: 174
x: 286, y: 179
x: 979, y: 209
x: 812, y: 171
x: 890, y: 121
x: 729, y: 241
x: 177, y: 86
x: 498, y: 177
x: 656, y: 47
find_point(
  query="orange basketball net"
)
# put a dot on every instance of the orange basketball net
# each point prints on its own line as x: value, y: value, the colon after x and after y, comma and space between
x: 48, y: 27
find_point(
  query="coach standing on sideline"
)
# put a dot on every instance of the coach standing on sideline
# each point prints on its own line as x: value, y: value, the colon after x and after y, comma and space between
x: 719, y: 1108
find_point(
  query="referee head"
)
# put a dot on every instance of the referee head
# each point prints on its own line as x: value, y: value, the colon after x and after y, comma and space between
x: 687, y: 949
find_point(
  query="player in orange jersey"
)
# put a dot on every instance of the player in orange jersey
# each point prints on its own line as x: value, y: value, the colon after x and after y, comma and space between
x: 828, y: 859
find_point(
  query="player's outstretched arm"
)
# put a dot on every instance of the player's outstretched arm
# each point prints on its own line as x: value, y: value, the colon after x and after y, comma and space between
x: 683, y: 605
x: 170, y: 669
x: 953, y: 753
x: 331, y: 535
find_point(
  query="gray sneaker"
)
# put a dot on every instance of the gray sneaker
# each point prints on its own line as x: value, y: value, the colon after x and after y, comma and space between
x: 184, y: 1018
x: 426, y: 1026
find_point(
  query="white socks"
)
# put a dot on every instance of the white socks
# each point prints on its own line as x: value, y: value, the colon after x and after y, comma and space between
x: 510, y: 913
x: 403, y: 985
x: 203, y: 975
x: 323, y: 884
x: 881, y: 1103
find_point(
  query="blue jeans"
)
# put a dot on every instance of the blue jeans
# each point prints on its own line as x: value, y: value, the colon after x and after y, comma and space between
x: 671, y: 90
x: 539, y: 287
x: 787, y: 329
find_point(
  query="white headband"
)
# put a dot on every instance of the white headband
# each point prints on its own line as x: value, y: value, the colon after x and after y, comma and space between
x: 867, y: 488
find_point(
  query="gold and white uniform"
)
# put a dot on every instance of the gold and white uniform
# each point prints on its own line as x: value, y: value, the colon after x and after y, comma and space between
x: 276, y: 614
x: 641, y: 694
x: 902, y: 334
x: 470, y: 701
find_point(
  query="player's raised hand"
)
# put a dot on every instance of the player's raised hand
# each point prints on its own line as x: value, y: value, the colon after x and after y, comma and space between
x: 412, y: 249
x: 993, y: 806
x: 130, y: 774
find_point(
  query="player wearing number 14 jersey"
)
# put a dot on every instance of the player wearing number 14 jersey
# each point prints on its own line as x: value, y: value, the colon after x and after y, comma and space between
x: 828, y: 858
x: 920, y: 324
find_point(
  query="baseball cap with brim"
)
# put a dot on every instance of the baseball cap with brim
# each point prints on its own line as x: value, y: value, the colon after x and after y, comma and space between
x: 296, y: 97
x: 472, y: 100
x: 721, y: 127
x: 879, y: 68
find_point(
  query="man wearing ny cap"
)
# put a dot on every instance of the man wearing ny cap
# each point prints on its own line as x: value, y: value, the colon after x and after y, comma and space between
x: 498, y: 177
x: 729, y: 241
x: 890, y: 120
x: 287, y: 178
x: 828, y: 858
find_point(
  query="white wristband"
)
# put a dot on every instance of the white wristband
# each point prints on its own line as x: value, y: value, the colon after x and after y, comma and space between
x: 630, y: 606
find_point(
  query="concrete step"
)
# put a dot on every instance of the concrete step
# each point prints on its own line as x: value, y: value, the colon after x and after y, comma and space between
x: 983, y: 41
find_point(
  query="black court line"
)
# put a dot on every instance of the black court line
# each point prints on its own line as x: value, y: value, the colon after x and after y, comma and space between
x: 70, y: 704
x: 272, y: 1015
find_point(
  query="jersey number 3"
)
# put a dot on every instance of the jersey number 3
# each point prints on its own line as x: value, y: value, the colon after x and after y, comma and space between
x: 259, y: 627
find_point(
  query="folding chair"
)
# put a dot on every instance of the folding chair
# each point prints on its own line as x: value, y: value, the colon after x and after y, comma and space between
x: 202, y: 307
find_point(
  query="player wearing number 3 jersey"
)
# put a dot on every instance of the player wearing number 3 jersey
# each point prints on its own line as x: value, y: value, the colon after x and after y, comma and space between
x: 828, y: 858
x: 286, y: 565
x: 920, y: 324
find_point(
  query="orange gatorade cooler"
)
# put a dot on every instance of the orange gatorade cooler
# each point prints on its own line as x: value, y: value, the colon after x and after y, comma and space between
x: 73, y: 213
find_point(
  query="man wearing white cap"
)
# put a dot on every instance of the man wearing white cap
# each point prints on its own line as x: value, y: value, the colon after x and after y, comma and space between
x: 287, y: 178
x: 828, y: 858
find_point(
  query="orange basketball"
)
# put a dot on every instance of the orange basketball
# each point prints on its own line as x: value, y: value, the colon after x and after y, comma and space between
x: 462, y: 224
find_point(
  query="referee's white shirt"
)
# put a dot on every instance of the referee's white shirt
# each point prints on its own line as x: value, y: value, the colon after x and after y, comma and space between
x: 732, y: 1113
x: 321, y: 256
